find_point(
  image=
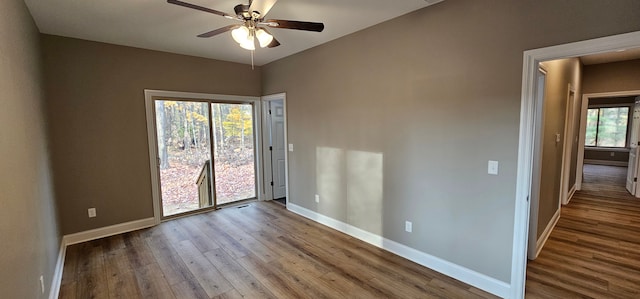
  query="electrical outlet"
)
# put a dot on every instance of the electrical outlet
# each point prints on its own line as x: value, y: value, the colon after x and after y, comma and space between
x: 42, y: 283
x: 408, y: 226
x: 91, y: 212
x: 317, y: 198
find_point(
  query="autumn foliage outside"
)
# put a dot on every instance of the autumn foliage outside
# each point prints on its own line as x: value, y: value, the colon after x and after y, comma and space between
x: 184, y: 130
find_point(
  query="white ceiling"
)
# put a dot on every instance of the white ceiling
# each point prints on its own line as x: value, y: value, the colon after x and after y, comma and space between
x: 158, y: 25
x: 616, y: 56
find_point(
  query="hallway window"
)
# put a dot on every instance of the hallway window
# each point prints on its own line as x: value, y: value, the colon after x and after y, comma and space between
x: 607, y: 127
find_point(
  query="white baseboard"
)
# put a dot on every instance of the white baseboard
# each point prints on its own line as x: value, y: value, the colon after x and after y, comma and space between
x: 478, y: 280
x: 56, y: 280
x: 546, y: 233
x: 571, y: 193
x: 606, y: 162
x: 107, y: 231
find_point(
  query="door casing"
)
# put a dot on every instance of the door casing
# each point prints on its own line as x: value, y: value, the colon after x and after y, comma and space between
x: 267, y: 191
x: 277, y: 147
x: 566, y: 191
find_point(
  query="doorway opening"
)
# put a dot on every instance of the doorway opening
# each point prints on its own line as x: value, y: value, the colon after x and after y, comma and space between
x: 529, y: 117
x: 275, y: 148
x: 202, y: 151
x: 620, y: 149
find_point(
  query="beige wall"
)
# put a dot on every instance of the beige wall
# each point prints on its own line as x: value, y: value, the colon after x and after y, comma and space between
x: 611, y: 77
x: 95, y: 104
x: 605, y: 101
x: 421, y: 103
x: 600, y: 155
x: 560, y: 73
x: 28, y: 223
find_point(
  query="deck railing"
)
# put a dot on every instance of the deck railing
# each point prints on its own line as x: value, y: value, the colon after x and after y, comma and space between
x: 204, y: 185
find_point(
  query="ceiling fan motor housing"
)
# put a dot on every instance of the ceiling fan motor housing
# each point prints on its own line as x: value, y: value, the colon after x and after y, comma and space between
x: 242, y: 11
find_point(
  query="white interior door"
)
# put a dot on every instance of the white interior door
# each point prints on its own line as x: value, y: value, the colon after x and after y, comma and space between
x: 632, y: 170
x: 532, y: 251
x: 278, y: 148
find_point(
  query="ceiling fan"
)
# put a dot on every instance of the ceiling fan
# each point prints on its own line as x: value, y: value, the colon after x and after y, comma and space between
x: 253, y: 24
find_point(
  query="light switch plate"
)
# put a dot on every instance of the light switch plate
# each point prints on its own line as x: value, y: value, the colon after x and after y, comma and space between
x: 492, y: 167
x: 291, y: 147
x: 408, y: 226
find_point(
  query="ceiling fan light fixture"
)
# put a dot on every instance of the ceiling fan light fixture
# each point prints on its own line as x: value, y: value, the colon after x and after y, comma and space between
x: 248, y: 44
x: 264, y: 38
x: 241, y: 34
x: 251, y: 16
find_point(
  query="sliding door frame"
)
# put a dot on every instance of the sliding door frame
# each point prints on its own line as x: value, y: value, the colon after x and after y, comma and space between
x: 152, y: 95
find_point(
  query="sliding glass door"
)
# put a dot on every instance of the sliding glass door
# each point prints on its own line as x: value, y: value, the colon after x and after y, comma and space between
x: 234, y: 147
x: 206, y: 153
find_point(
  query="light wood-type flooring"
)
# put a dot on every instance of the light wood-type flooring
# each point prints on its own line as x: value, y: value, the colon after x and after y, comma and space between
x: 259, y: 251
x: 594, y: 250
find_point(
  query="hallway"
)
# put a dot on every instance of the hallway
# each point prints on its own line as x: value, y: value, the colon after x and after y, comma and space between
x: 594, y: 250
x: 607, y: 181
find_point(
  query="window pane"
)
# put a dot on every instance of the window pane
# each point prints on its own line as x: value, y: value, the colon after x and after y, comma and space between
x: 182, y: 129
x: 592, y: 127
x: 234, y: 152
x: 612, y: 129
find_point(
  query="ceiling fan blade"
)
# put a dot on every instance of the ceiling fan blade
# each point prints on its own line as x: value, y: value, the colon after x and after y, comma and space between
x: 193, y: 6
x: 298, y: 25
x: 262, y: 6
x: 274, y: 43
x: 218, y: 31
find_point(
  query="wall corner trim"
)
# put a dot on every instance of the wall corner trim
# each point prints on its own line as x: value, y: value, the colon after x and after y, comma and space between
x: 56, y: 280
x: 108, y: 231
x: 547, y: 232
x: 479, y: 280
x: 571, y: 193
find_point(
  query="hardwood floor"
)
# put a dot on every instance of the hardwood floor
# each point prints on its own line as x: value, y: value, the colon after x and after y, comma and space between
x: 594, y: 250
x: 259, y: 251
x: 607, y: 181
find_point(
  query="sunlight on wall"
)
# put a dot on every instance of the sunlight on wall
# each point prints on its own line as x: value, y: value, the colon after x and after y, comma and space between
x: 350, y: 187
x: 364, y: 190
x: 330, y: 178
